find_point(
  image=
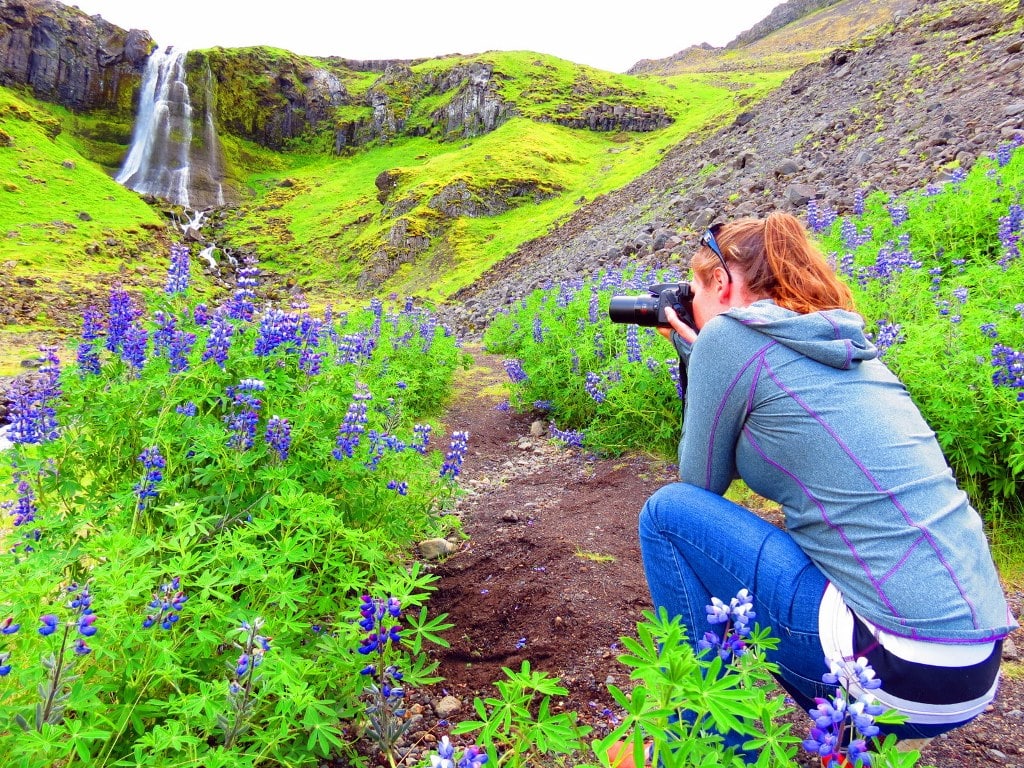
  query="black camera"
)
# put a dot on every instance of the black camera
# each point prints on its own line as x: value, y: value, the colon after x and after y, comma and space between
x: 650, y: 310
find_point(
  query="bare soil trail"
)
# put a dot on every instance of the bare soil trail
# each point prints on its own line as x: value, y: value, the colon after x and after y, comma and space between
x: 551, y: 572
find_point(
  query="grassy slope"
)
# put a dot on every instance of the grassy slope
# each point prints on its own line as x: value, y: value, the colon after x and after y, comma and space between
x: 329, y: 224
x: 47, y: 185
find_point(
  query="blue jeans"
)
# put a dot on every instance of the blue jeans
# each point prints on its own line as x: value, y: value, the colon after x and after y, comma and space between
x: 696, y: 544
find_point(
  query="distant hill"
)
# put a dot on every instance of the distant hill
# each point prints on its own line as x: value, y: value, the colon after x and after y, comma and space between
x: 794, y: 34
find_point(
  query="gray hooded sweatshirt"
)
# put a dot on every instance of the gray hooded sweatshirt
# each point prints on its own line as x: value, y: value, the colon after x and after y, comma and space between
x: 802, y: 410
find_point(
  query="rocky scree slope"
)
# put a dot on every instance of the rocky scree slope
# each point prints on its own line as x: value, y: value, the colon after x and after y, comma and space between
x: 939, y: 90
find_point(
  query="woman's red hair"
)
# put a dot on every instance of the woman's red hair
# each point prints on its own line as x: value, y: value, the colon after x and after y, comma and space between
x: 778, y: 260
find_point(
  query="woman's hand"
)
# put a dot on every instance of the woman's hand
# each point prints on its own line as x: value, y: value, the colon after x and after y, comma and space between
x: 685, y: 332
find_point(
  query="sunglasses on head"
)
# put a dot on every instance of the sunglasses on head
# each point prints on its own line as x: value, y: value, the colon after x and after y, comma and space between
x: 708, y: 239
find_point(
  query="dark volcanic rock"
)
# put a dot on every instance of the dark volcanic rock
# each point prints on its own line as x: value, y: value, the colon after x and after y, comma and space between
x: 67, y: 57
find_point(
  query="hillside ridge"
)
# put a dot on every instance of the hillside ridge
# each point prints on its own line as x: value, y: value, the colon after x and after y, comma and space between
x: 933, y: 94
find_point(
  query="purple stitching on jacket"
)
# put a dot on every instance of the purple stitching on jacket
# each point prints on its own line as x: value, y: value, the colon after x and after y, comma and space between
x: 899, y: 563
x: 759, y: 355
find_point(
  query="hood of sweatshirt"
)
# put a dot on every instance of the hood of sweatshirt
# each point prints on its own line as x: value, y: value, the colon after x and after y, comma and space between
x: 833, y: 337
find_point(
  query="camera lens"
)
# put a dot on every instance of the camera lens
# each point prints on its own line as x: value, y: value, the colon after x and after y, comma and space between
x: 637, y: 310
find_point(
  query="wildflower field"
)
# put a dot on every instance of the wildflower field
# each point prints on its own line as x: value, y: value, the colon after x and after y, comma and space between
x: 199, y: 507
x: 211, y: 509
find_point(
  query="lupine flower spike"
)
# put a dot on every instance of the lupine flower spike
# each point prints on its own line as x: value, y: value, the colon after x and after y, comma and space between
x: 849, y: 713
x: 55, y: 691
x: 242, y: 688
x: 736, y: 617
x: 384, y: 693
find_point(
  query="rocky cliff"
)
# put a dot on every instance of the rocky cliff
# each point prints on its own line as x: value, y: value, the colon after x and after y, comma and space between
x: 67, y: 57
x: 274, y: 97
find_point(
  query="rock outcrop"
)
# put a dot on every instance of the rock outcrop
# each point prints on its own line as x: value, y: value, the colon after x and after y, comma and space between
x: 69, y: 58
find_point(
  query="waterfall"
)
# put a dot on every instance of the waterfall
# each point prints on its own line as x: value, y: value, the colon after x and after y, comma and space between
x: 162, y: 160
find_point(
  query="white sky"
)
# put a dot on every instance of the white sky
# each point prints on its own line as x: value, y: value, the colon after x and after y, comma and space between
x: 611, y: 35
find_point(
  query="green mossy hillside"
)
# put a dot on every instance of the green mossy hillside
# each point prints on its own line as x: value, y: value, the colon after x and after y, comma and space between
x: 56, y: 202
x: 427, y: 217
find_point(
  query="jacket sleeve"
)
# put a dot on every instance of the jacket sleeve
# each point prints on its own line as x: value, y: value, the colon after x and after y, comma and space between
x: 716, y: 406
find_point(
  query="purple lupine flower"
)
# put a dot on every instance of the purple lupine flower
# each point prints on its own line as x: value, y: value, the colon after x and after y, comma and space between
x: 166, y: 605
x: 166, y: 325
x: 50, y: 623
x: 595, y: 387
x: 899, y: 214
x: 201, y: 314
x: 473, y: 757
x: 891, y: 261
x: 276, y: 329
x: 570, y: 437
x: 819, y: 216
x: 990, y: 330
x: 538, y: 330
x: 7, y: 627
x: 310, y: 332
x: 673, y: 371
x: 1004, y: 152
x: 736, y: 618
x: 599, y: 345
x: 187, y: 409
x: 23, y: 510
x: 888, y: 334
x: 279, y: 436
x: 178, y: 273
x: 421, y: 438
x: 960, y: 294
x: 850, y: 712
x: 153, y: 464
x: 453, y: 459
x: 593, y: 308
x: 399, y: 487
x: 514, y: 369
x: 858, y: 202
x: 218, y: 342
x: 852, y: 238
x: 241, y: 305
x: 427, y: 331
x: 380, y: 622
x: 254, y: 646
x: 633, y: 352
x: 242, y: 420
x: 354, y: 423
x: 121, y: 315
x: 31, y: 408
x: 1009, y: 365
x: 1010, y: 230
x: 180, y: 348
x: 88, y: 354
x: 133, y: 347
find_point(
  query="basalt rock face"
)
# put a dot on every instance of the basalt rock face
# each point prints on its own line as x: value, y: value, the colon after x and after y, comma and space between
x: 64, y: 56
x: 271, y: 96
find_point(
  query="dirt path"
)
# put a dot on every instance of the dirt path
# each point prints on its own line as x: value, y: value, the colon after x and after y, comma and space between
x: 551, y: 572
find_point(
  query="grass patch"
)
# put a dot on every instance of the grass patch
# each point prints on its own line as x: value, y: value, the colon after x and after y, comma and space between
x: 594, y: 557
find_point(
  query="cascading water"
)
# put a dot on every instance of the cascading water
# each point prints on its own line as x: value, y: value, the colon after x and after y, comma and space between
x: 162, y: 159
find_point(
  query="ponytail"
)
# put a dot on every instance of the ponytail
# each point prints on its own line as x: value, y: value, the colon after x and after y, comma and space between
x: 779, y: 260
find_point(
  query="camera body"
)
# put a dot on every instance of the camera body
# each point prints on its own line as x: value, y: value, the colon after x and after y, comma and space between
x: 650, y: 310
